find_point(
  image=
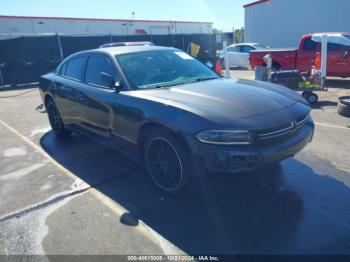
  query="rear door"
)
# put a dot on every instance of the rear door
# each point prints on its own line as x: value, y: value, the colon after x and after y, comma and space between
x: 68, y: 90
x: 98, y: 99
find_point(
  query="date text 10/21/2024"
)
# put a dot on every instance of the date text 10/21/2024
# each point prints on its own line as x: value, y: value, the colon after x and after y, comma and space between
x: 173, y: 258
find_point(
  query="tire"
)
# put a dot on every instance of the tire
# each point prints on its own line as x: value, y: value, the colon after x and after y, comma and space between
x: 55, y: 120
x: 345, y: 100
x: 343, y: 110
x: 305, y: 95
x: 312, y: 98
x: 276, y: 66
x: 167, y: 163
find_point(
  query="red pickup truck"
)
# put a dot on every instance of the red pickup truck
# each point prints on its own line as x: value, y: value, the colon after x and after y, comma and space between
x: 303, y: 58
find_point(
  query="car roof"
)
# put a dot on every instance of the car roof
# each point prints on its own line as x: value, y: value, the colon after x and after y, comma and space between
x: 117, y: 50
x: 245, y: 44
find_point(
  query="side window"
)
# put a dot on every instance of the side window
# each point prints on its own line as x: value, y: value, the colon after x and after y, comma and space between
x: 246, y: 48
x: 234, y: 49
x: 310, y: 45
x: 336, y: 47
x: 74, y: 68
x: 95, y: 66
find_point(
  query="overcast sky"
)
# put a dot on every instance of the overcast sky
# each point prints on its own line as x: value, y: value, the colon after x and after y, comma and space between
x: 224, y: 13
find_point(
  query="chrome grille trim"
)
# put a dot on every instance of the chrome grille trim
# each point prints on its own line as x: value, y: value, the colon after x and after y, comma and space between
x: 291, y: 129
x: 302, y: 122
x: 280, y: 132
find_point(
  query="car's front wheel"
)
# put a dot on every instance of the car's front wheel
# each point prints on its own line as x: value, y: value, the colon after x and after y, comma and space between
x: 167, y: 162
x: 55, y: 120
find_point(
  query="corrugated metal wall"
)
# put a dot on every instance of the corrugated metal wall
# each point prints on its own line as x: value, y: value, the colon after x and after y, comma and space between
x: 281, y: 23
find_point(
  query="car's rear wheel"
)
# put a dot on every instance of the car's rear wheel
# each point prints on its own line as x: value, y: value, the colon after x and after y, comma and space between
x: 312, y: 98
x: 276, y: 66
x: 167, y: 162
x: 55, y: 120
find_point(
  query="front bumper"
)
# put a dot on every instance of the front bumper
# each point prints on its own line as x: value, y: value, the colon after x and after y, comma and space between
x: 247, y: 158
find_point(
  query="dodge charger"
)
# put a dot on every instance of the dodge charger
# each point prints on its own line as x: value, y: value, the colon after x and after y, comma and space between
x: 174, y: 114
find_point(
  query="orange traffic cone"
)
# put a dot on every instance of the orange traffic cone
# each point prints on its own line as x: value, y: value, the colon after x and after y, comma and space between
x: 218, y: 67
x: 318, y: 61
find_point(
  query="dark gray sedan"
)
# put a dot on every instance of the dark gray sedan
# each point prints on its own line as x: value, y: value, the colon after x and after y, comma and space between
x: 165, y: 108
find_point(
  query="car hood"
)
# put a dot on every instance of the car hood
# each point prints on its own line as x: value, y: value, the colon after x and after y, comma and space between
x: 233, y: 98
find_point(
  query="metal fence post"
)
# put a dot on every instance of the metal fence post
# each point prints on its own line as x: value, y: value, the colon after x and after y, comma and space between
x: 60, y: 47
x: 324, y: 60
x: 2, y: 80
x: 227, y: 69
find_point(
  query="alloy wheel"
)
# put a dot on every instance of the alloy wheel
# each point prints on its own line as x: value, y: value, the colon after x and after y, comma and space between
x: 164, y: 164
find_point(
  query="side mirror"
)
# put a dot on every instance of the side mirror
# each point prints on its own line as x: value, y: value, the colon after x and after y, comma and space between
x: 107, y: 80
x: 346, y: 54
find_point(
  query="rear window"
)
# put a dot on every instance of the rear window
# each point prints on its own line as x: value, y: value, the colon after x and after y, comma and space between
x: 261, y: 47
x: 310, y: 45
x: 74, y: 68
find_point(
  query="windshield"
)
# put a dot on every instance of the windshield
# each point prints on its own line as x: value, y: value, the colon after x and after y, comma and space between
x: 157, y: 69
x: 261, y: 47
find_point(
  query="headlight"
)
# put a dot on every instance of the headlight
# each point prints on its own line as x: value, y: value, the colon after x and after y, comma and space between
x: 225, y: 137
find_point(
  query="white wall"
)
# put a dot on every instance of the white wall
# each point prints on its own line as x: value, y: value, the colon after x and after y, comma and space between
x: 65, y: 26
x: 282, y: 22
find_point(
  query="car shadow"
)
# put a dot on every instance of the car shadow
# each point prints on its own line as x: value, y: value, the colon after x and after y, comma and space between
x: 324, y: 103
x: 252, y: 213
x: 338, y: 83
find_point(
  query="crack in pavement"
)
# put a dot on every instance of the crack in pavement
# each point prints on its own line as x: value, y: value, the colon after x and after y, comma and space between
x: 61, y: 197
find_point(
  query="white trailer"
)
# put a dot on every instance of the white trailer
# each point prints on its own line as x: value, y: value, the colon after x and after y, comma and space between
x: 24, y: 25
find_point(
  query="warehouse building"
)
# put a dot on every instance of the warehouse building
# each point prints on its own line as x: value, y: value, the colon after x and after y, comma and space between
x: 20, y: 25
x: 281, y: 23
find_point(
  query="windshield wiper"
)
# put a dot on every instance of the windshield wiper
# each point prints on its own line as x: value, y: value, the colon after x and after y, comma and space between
x: 169, y: 84
x: 163, y: 85
x: 199, y: 79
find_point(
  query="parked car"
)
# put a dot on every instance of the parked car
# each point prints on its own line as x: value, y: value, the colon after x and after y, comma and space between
x: 303, y: 58
x: 174, y: 114
x: 238, y: 54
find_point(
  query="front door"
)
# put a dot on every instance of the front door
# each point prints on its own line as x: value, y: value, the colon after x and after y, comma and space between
x: 338, y: 60
x: 98, y: 98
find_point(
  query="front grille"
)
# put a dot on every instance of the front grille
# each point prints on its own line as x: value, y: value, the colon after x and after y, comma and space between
x: 281, y: 133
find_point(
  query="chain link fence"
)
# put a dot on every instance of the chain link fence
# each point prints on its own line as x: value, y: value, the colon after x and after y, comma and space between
x: 24, y: 59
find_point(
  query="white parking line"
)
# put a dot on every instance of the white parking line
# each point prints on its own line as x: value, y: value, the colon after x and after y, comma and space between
x: 167, y: 247
x: 333, y: 126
